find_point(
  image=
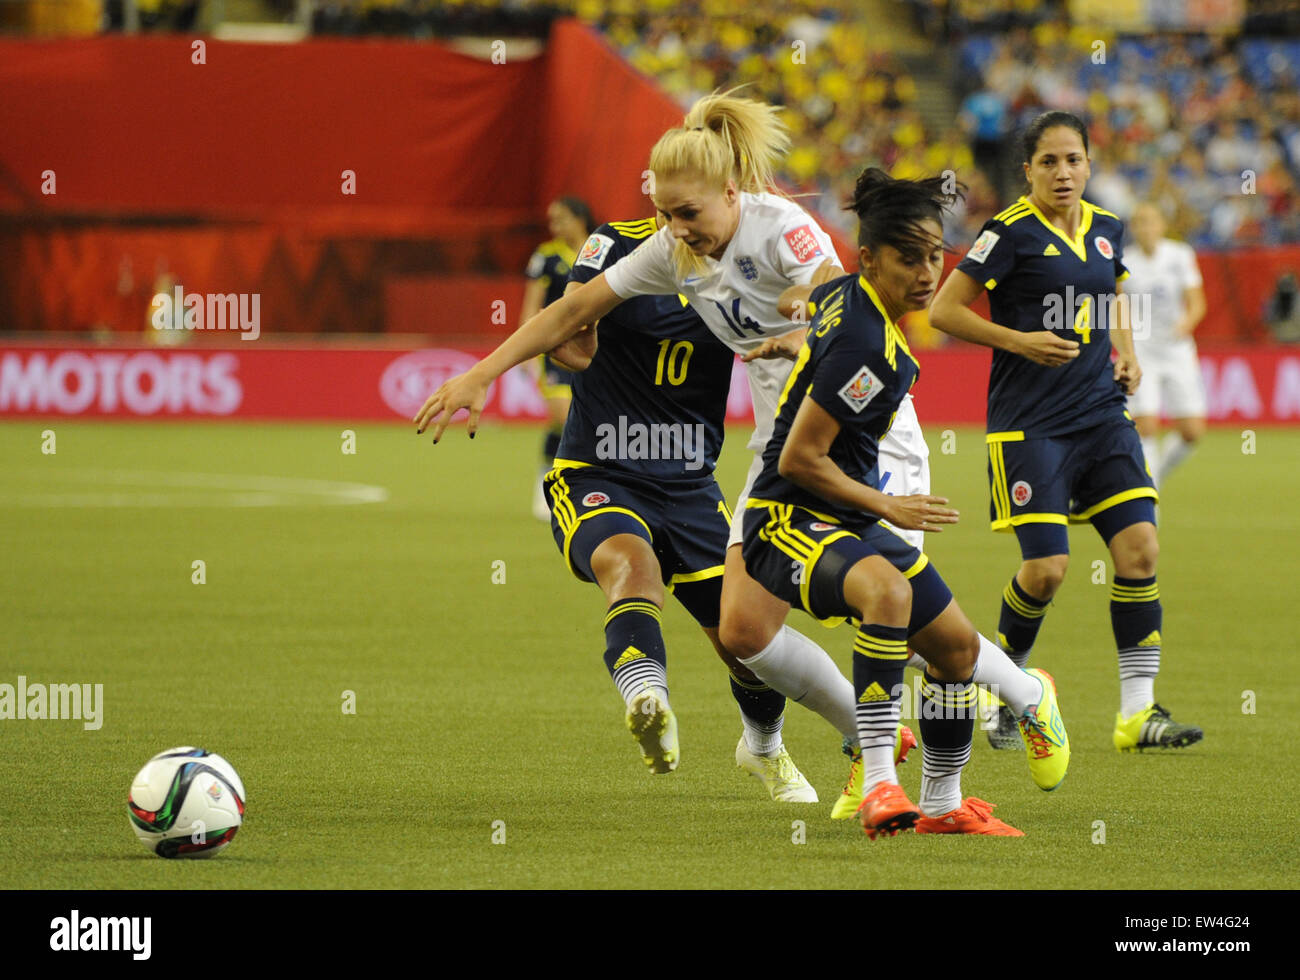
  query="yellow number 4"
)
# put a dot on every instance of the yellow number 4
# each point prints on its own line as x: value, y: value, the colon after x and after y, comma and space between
x: 1083, y: 320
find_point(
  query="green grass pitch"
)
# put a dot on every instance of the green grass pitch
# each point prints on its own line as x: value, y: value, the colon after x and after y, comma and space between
x: 479, y: 702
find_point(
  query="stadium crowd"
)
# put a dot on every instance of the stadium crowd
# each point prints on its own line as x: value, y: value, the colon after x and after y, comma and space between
x: 1208, y: 128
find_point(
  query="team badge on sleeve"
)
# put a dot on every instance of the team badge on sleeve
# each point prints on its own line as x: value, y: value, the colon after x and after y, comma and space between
x: 803, y: 243
x: 861, y: 388
x: 1104, y: 247
x: 983, y: 245
x: 594, y: 251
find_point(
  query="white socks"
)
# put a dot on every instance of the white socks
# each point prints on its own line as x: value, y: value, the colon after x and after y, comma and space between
x: 762, y: 739
x: 941, y: 779
x: 1135, y: 693
x: 998, y: 672
x: 1164, y: 455
x: 805, y: 673
x: 1173, y: 450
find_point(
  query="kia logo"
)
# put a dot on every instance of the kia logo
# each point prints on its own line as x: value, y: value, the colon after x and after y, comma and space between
x: 412, y: 378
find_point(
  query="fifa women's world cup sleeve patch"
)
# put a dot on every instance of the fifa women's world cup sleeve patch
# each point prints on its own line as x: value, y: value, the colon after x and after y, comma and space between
x: 983, y: 246
x: 860, y: 389
x: 536, y: 266
x: 991, y: 257
x: 594, y: 251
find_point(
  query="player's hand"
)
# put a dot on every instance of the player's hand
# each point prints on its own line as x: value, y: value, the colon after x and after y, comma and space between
x: 576, y: 353
x: 920, y: 512
x: 462, y: 391
x: 1046, y: 348
x: 1128, y: 373
x: 787, y: 346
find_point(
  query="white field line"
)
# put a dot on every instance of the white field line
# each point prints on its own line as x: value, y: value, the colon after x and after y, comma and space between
x: 232, y: 490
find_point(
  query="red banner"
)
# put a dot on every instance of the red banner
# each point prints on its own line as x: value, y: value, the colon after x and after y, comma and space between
x: 265, y: 382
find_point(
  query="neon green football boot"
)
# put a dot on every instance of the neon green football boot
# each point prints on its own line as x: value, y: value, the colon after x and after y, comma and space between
x: 851, y: 796
x: 1046, y: 743
x: 1152, y: 728
x: 653, y: 724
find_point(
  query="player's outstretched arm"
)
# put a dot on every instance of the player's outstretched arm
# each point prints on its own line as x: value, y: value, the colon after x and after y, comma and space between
x: 951, y: 313
x: 805, y: 460
x: 546, y: 331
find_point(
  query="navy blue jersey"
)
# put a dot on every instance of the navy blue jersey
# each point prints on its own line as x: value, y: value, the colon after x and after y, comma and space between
x: 856, y: 365
x: 551, y: 263
x: 654, y: 399
x: 1039, y: 279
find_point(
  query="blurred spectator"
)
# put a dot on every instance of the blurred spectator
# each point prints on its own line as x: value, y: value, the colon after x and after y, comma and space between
x: 1283, y: 314
x: 985, y: 121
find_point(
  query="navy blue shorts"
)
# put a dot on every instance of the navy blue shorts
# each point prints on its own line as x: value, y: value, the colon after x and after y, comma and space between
x: 686, y: 525
x: 803, y: 558
x: 556, y: 382
x: 1038, y: 486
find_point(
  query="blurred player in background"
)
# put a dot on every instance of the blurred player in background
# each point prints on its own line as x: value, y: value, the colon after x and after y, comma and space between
x: 1061, y: 444
x: 1165, y: 272
x: 570, y: 223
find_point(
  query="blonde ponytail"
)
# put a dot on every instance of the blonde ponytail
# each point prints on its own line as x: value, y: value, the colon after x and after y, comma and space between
x: 723, y: 137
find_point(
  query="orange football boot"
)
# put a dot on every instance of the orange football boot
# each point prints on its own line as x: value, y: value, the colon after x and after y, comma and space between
x: 972, y: 817
x: 887, y: 810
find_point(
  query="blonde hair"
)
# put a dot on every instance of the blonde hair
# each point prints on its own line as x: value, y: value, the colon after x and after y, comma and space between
x: 723, y: 137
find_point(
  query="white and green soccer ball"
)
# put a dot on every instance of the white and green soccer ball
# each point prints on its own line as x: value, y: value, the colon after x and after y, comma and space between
x: 186, y: 803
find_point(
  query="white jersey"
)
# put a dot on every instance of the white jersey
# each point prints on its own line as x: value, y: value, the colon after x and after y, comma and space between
x: 777, y: 244
x: 1163, y: 276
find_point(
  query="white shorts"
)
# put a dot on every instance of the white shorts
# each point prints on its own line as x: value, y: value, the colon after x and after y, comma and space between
x: 904, y: 465
x: 737, y: 535
x: 1171, y: 382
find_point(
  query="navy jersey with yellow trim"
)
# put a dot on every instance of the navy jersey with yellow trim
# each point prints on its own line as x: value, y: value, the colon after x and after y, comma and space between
x: 1039, y: 278
x: 551, y: 263
x: 654, y: 399
x: 857, y: 366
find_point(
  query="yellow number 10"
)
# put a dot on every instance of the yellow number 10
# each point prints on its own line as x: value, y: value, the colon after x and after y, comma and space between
x: 676, y: 371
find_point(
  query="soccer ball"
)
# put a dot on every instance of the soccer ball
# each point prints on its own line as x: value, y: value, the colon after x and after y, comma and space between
x: 186, y: 803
